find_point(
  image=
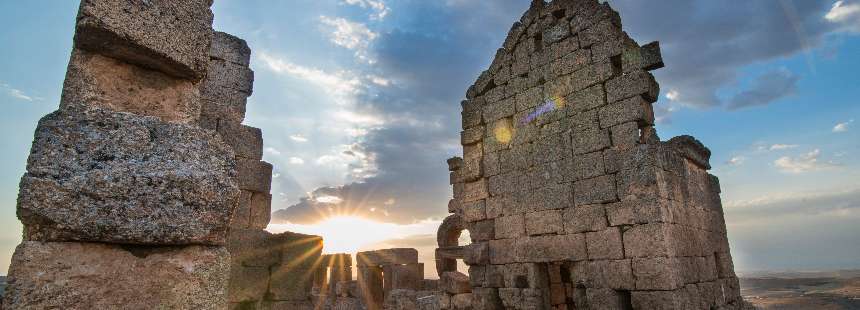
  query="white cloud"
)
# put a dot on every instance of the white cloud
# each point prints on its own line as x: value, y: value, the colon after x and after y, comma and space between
x: 777, y: 147
x: 379, y: 7
x: 297, y: 161
x: 842, y: 127
x: 845, y: 14
x: 803, y: 163
x: 342, y: 84
x: 351, y: 35
x: 736, y: 161
x: 17, y: 93
x: 298, y: 138
x: 273, y: 151
x: 378, y: 80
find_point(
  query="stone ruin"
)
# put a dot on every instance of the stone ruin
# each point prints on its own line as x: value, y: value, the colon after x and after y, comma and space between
x: 145, y: 190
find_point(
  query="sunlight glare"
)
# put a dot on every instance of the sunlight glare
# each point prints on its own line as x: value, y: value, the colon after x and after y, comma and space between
x: 349, y: 234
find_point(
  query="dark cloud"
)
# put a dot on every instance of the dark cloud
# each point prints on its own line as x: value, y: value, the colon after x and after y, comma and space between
x: 767, y: 88
x: 705, y: 43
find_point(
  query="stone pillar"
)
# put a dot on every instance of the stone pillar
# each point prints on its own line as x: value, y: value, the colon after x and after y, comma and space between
x: 370, y: 286
x: 126, y: 201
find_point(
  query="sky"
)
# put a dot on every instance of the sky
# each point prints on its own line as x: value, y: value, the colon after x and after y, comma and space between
x: 359, y: 103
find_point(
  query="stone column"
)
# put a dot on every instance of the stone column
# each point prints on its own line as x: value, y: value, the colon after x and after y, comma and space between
x: 126, y: 201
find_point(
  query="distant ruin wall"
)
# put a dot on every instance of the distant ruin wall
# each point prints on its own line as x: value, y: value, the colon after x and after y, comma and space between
x: 576, y: 202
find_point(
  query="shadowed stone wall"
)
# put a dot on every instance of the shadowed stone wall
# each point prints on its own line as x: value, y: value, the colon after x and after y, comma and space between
x: 577, y: 202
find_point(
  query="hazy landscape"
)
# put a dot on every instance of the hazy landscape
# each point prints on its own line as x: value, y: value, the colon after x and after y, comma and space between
x: 802, y: 290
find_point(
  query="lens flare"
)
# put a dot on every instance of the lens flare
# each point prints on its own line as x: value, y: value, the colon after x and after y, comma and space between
x: 503, y: 131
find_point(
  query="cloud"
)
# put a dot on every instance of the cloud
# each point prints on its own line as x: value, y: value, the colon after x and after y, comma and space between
x: 350, y: 35
x: 297, y: 161
x: 17, y: 93
x: 846, y: 14
x: 803, y: 163
x: 736, y: 161
x: 777, y: 147
x: 379, y: 7
x: 342, y: 83
x: 298, y: 138
x: 273, y: 151
x: 842, y: 127
x: 718, y: 39
x: 767, y: 88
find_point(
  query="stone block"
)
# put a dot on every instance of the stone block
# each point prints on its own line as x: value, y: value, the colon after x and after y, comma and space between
x: 657, y: 273
x: 261, y: 210
x: 503, y: 251
x: 586, y: 99
x: 474, y: 191
x: 512, y: 298
x: 477, y: 254
x: 477, y: 275
x: 625, y: 135
x: 454, y: 283
x: 303, y: 305
x: 227, y: 81
x: 254, y: 175
x: 246, y: 141
x: 94, y: 80
x: 605, y: 244
x: 543, y: 222
x: 289, y: 283
x: 637, y: 211
x: 595, y: 190
x: 299, y: 251
x: 408, y: 277
x: 510, y: 226
x: 370, y: 286
x: 585, y: 218
x: 58, y: 275
x: 724, y: 265
x: 647, y: 240
x: 551, y: 248
x: 585, y: 166
x: 472, y: 135
x: 253, y: 248
x: 604, y: 298
x: 633, y: 109
x: 214, y: 111
x: 395, y: 256
x: 102, y: 176
x: 474, y: 211
x: 169, y: 36
x: 614, y: 274
x: 230, y: 48
x: 486, y: 298
x: 482, y: 230
x: 636, y: 83
x: 461, y: 301
x: 658, y: 300
x: 247, y: 284
x: 652, y: 58
x: 590, y: 140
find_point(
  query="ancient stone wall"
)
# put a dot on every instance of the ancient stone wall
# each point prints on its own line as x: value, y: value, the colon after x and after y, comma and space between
x: 574, y: 201
x: 126, y: 201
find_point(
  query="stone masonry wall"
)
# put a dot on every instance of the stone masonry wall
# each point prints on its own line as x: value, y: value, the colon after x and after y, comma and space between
x: 571, y: 199
x: 126, y: 201
x: 267, y: 271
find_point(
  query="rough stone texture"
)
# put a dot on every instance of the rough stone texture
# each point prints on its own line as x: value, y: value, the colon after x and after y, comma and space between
x: 62, y: 275
x: 455, y: 283
x: 387, y: 257
x: 96, y: 80
x: 589, y: 209
x: 98, y: 175
x: 169, y: 36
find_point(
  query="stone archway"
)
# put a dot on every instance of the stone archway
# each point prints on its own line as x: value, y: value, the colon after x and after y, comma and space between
x: 449, y: 251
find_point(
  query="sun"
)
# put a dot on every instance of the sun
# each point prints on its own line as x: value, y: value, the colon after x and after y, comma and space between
x: 343, y: 234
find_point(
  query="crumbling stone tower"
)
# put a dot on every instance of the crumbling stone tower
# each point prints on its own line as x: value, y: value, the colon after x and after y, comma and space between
x: 571, y: 199
x: 126, y: 200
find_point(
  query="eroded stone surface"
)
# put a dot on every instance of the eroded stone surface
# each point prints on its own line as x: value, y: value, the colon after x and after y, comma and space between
x: 71, y: 275
x: 102, y: 176
x: 169, y: 36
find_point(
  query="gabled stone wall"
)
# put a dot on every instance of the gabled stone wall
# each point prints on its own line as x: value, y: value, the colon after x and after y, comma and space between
x: 577, y: 202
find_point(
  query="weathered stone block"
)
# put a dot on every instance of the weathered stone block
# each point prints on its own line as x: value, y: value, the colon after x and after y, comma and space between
x: 482, y: 230
x: 585, y: 166
x: 648, y: 240
x: 543, y: 222
x: 254, y: 175
x: 169, y: 36
x: 586, y: 99
x: 510, y: 226
x: 387, y: 257
x: 552, y: 248
x: 98, y: 175
x: 474, y: 191
x: 253, y: 248
x: 633, y: 109
x: 247, y: 284
x: 260, y: 210
x: 93, y: 80
x: 472, y: 135
x: 408, y: 276
x: 595, y: 190
x: 486, y: 298
x: 474, y: 211
x: 230, y: 48
x: 455, y: 283
x: 641, y: 211
x: 477, y: 254
x: 370, y: 286
x: 605, y: 244
x: 289, y: 283
x: 584, y: 219
x: 246, y: 141
x: 636, y: 83
x: 658, y: 300
x: 503, y: 251
x: 657, y: 273
x: 590, y: 140
x: 58, y: 275
x: 226, y: 81
x: 462, y: 301
x: 605, y: 298
x: 614, y: 274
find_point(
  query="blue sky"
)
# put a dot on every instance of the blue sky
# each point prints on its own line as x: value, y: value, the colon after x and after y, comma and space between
x: 359, y: 104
